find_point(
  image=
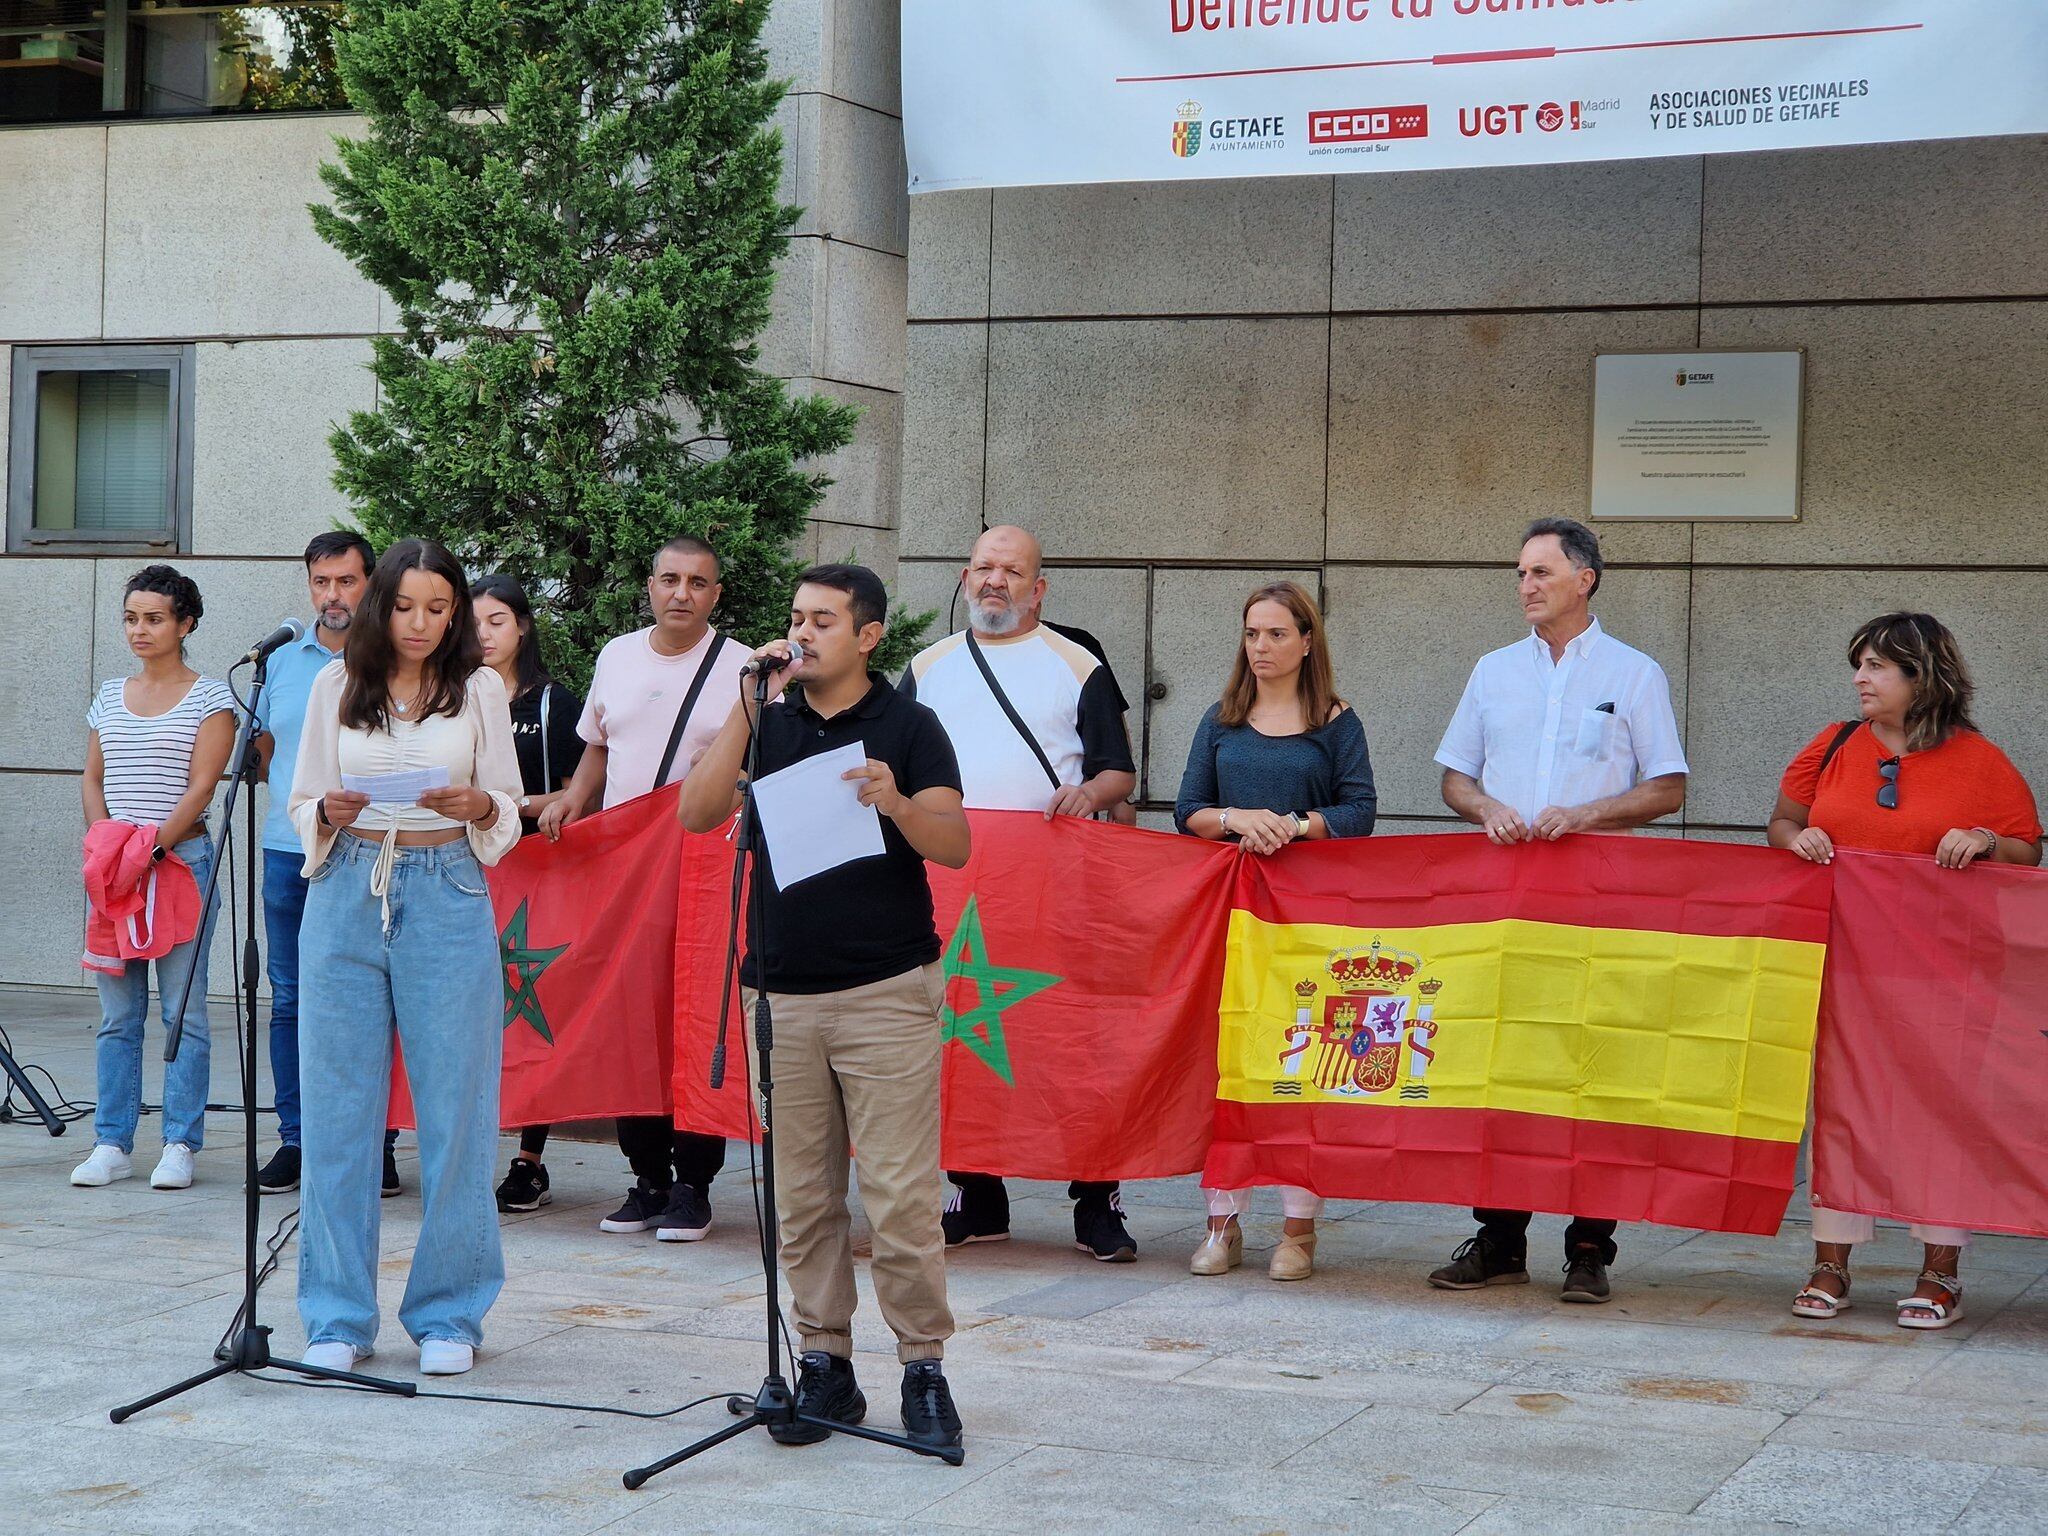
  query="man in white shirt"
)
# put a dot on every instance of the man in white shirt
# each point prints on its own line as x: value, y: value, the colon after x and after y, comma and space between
x: 1566, y: 731
x: 658, y: 698
x: 1037, y: 722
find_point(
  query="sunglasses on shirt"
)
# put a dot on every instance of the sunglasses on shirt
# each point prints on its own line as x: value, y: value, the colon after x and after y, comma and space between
x: 1888, y: 791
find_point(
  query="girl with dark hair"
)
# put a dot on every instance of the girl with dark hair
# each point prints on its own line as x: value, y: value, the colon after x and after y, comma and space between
x: 544, y: 716
x: 399, y: 937
x: 1279, y: 757
x: 1910, y: 774
x: 160, y: 740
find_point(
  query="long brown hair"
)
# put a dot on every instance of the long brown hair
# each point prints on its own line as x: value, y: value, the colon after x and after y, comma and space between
x: 1920, y: 646
x: 370, y: 655
x: 1317, y: 679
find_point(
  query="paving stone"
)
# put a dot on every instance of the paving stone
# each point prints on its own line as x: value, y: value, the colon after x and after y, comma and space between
x: 1059, y: 1489
x: 1847, y: 1490
x: 1490, y: 1455
x: 2012, y: 1499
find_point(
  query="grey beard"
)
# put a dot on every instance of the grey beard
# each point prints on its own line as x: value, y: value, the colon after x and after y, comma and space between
x: 1000, y: 622
x: 326, y: 623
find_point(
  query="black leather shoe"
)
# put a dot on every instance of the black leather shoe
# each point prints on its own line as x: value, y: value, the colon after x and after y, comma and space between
x: 928, y: 1411
x: 1585, y: 1276
x: 390, y: 1186
x: 1478, y: 1263
x: 825, y: 1389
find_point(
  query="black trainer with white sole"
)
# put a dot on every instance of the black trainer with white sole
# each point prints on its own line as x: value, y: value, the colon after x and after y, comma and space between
x: 280, y: 1175
x: 643, y: 1209
x: 687, y: 1217
x: 1099, y: 1229
x: 977, y: 1211
x: 525, y: 1187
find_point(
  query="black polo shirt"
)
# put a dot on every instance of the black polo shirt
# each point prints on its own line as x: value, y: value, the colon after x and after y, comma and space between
x: 870, y: 919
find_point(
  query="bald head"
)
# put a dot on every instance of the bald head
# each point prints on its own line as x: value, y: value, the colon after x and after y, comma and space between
x: 1002, y: 584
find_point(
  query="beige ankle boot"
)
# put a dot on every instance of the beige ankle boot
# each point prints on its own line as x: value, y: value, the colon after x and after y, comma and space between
x: 1295, y: 1258
x: 1220, y: 1252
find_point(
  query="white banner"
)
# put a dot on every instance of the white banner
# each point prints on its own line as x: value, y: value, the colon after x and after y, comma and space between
x: 1031, y: 92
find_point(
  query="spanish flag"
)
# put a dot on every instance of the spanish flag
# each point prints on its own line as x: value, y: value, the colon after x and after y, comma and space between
x: 1604, y: 1026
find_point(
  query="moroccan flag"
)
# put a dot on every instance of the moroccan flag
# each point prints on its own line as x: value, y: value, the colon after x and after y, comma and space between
x: 1082, y: 963
x: 1931, y: 1076
x: 586, y: 930
x: 1605, y: 1026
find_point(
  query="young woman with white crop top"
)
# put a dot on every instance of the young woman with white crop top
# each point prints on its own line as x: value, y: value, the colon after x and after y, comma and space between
x: 399, y: 939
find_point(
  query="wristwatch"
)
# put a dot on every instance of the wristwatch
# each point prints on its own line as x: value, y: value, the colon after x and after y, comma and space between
x: 524, y: 801
x: 157, y: 854
x: 1301, y: 822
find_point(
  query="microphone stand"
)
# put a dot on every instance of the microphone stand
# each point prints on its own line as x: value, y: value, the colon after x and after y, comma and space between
x: 774, y: 1405
x: 250, y: 1350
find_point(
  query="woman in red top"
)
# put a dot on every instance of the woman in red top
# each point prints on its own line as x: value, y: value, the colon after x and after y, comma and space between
x: 1911, y: 775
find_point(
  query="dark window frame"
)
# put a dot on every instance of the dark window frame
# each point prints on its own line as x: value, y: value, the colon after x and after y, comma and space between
x: 28, y: 364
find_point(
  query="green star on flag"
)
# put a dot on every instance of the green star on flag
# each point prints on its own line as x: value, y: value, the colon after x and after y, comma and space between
x: 523, y: 967
x: 998, y: 989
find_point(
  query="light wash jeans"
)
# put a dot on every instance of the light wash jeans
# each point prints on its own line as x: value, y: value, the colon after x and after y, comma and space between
x: 435, y: 978
x: 124, y: 1006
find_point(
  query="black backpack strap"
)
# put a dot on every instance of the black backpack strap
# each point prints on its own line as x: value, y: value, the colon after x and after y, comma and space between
x: 675, y: 736
x: 1848, y: 729
x: 1010, y: 709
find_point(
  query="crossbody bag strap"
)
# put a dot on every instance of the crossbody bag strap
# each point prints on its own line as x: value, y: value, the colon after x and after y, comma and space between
x: 1010, y: 710
x: 547, y: 763
x: 675, y: 736
x: 1842, y: 736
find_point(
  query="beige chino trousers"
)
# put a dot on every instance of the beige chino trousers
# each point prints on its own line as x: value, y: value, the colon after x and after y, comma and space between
x: 861, y: 1065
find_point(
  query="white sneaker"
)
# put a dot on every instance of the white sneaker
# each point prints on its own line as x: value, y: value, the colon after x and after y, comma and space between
x: 335, y: 1355
x: 445, y: 1357
x: 173, y: 1169
x: 104, y: 1166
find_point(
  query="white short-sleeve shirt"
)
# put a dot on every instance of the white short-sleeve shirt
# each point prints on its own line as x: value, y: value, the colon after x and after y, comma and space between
x: 1592, y: 724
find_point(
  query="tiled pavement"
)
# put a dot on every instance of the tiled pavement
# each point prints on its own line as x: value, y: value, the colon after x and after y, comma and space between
x: 1102, y: 1399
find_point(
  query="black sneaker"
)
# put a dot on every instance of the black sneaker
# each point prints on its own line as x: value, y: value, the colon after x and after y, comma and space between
x: 281, y: 1174
x: 1585, y: 1276
x: 1099, y: 1229
x: 977, y: 1213
x: 391, y: 1185
x: 643, y: 1208
x: 928, y: 1412
x: 687, y: 1216
x: 1476, y: 1264
x: 825, y: 1389
x: 525, y: 1187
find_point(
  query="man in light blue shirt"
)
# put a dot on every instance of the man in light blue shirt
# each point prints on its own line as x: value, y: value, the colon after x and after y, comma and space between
x: 337, y: 575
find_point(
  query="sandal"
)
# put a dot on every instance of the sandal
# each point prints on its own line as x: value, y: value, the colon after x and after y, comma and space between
x: 1943, y: 1312
x: 1821, y: 1305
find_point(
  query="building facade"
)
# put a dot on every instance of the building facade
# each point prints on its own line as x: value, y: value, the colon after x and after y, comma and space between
x: 1368, y: 383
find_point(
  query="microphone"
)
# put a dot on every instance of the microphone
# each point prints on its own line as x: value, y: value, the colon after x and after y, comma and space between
x: 762, y: 664
x: 283, y: 635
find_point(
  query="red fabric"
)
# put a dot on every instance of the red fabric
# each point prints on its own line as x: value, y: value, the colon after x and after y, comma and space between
x: 1511, y: 1161
x: 1964, y: 782
x: 137, y: 910
x: 1931, y: 1073
x: 591, y: 1034
x: 1111, y: 1067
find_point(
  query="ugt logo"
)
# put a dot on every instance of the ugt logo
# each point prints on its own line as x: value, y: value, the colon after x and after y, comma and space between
x: 1187, y: 130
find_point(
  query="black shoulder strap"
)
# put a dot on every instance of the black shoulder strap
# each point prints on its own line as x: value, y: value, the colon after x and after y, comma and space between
x: 675, y: 736
x: 1010, y: 709
x: 1847, y: 730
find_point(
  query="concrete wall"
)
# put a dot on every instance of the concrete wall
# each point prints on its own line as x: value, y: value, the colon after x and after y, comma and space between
x: 196, y: 231
x: 1371, y: 382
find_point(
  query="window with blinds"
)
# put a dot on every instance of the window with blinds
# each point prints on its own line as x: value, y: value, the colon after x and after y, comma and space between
x: 100, y: 440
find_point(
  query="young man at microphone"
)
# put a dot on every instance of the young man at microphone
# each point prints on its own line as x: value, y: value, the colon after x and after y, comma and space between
x: 849, y: 960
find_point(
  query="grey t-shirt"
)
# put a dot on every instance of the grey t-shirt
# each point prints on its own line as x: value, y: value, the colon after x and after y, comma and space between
x: 1326, y: 770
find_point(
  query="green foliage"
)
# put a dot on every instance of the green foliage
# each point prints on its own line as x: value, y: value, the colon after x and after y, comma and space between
x: 574, y: 209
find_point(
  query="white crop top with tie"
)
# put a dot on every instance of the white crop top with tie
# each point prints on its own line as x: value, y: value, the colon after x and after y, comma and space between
x: 475, y: 746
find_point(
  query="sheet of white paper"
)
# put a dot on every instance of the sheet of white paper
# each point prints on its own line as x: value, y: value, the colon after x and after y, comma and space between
x: 813, y: 818
x: 401, y: 788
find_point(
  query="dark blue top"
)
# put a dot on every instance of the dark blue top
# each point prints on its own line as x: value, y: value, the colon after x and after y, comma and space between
x: 1326, y: 770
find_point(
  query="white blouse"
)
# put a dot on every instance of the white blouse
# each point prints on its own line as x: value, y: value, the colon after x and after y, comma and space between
x: 475, y: 747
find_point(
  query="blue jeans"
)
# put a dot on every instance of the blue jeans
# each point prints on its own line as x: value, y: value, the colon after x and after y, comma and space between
x: 434, y: 978
x: 284, y: 904
x: 124, y: 1005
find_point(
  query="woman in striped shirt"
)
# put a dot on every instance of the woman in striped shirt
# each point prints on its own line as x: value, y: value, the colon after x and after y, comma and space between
x: 160, y: 740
